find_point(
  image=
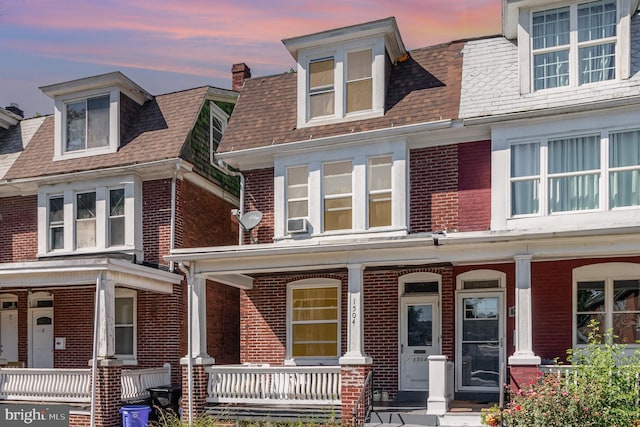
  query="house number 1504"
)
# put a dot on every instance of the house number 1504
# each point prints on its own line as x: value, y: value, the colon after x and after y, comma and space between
x: 354, y: 310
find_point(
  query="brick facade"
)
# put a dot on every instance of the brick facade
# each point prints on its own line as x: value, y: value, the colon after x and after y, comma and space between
x: 259, y: 192
x: 474, y: 186
x: 19, y: 223
x: 156, y: 217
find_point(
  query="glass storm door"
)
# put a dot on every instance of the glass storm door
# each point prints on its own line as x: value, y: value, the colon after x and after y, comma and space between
x: 479, y: 343
x: 420, y: 338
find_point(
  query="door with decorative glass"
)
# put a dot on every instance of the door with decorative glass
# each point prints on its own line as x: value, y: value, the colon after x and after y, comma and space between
x: 480, y: 337
x: 420, y: 338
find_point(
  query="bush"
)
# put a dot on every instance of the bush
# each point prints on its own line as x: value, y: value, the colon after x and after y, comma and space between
x: 602, y: 390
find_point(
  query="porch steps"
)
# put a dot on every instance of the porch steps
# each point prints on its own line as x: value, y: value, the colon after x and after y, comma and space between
x: 276, y: 413
x: 414, y: 414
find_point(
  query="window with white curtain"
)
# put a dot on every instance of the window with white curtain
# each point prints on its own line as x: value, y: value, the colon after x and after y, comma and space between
x: 580, y: 37
x: 568, y: 174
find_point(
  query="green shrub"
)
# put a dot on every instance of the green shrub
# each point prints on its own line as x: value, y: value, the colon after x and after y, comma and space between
x: 602, y: 390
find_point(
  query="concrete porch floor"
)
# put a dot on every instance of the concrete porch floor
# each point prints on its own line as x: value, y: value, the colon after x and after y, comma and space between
x: 414, y: 413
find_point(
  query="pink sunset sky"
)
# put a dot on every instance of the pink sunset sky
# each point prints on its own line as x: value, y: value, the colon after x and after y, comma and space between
x: 173, y: 45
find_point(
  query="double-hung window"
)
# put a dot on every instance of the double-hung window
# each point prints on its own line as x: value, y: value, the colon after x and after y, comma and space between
x: 56, y: 222
x: 321, y: 88
x: 297, y: 192
x: 379, y: 188
x: 85, y: 220
x: 116, y: 217
x: 568, y: 174
x: 125, y: 323
x: 314, y: 314
x: 574, y: 45
x: 359, y: 82
x: 338, y: 197
x: 610, y: 295
x: 87, y: 123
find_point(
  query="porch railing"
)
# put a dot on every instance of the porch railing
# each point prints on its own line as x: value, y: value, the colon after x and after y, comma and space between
x: 45, y: 385
x: 364, y: 404
x: 135, y: 382
x: 318, y: 385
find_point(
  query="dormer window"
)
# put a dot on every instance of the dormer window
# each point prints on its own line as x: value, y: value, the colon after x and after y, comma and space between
x: 87, y: 123
x: 342, y: 73
x: 89, y: 113
x: 574, y: 45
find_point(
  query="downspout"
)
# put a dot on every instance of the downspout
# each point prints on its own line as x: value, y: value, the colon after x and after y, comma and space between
x: 189, y: 276
x: 172, y: 237
x: 224, y: 168
x: 94, y: 359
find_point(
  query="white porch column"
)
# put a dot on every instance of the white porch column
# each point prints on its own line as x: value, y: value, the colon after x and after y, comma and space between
x: 199, y: 320
x: 523, y: 335
x: 355, y: 319
x: 438, y: 401
x: 106, y: 325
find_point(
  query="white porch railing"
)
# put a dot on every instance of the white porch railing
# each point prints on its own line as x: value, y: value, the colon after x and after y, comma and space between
x: 317, y: 385
x: 135, y: 382
x: 45, y: 385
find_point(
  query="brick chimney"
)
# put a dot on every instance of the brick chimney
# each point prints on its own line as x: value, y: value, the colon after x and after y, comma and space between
x: 239, y: 72
x: 15, y: 109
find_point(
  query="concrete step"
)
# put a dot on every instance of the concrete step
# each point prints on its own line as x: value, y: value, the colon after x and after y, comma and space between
x: 420, y: 418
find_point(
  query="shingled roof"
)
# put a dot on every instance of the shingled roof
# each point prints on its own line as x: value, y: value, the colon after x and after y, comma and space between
x: 158, y: 131
x: 424, y: 88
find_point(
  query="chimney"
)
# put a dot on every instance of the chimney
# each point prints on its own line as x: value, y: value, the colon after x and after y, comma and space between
x: 239, y: 72
x: 15, y: 109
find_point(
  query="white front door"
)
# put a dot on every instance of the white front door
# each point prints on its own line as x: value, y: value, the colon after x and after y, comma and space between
x: 41, y: 338
x: 9, y: 335
x: 419, y: 338
x: 479, y: 344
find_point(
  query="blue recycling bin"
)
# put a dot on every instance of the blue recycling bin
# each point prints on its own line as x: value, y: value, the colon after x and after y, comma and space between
x: 135, y: 415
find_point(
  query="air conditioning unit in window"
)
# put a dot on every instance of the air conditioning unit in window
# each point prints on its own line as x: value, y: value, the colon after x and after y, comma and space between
x: 297, y: 225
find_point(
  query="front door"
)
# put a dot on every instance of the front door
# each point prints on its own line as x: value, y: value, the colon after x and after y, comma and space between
x: 480, y: 341
x: 9, y: 335
x: 41, y: 338
x: 419, y: 338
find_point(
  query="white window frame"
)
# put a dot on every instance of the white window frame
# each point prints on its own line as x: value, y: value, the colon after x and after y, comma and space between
x: 49, y: 223
x: 503, y: 137
x: 359, y: 156
x: 307, y: 284
x: 133, y: 215
x: 607, y: 272
x: 110, y: 217
x: 328, y: 197
x: 295, y: 199
x: 339, y: 54
x: 60, y: 130
x: 525, y: 44
x: 215, y: 112
x: 128, y: 293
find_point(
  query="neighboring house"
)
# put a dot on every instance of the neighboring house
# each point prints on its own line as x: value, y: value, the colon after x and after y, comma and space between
x: 91, y: 199
x: 477, y: 200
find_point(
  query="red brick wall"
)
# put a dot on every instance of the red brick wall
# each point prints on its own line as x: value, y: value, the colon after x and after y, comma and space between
x: 474, y: 186
x: 259, y: 196
x: 73, y: 311
x: 19, y: 225
x: 433, y: 189
x: 156, y: 217
x: 204, y: 219
x: 223, y: 323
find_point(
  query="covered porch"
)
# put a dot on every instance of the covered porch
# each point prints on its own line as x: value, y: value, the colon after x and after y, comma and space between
x: 74, y: 331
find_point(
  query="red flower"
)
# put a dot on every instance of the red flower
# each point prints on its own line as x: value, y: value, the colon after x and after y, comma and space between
x: 518, y: 407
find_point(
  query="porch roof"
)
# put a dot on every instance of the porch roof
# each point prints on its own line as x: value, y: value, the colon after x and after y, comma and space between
x: 236, y: 265
x: 73, y: 272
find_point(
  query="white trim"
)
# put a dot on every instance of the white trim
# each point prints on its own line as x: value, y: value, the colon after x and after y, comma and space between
x: 479, y: 275
x: 606, y: 272
x: 215, y: 112
x: 60, y: 152
x: 317, y: 282
x: 128, y: 293
x: 32, y: 308
x: 429, y: 298
x: 500, y: 293
x: 132, y: 212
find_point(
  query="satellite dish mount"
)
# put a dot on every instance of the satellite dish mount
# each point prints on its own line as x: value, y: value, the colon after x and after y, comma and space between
x: 248, y: 221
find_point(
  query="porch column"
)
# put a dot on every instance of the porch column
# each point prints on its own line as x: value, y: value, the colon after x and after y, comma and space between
x: 199, y: 320
x: 524, y: 363
x: 355, y: 320
x: 106, y: 313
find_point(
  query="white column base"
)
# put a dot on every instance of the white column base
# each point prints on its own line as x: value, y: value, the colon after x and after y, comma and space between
x: 437, y: 403
x: 524, y: 359
x: 199, y: 360
x: 355, y: 359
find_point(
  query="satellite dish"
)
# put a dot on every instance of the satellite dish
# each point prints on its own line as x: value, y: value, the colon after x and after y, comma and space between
x: 249, y: 221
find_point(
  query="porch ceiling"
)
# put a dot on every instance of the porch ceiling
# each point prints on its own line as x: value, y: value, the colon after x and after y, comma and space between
x: 73, y: 272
